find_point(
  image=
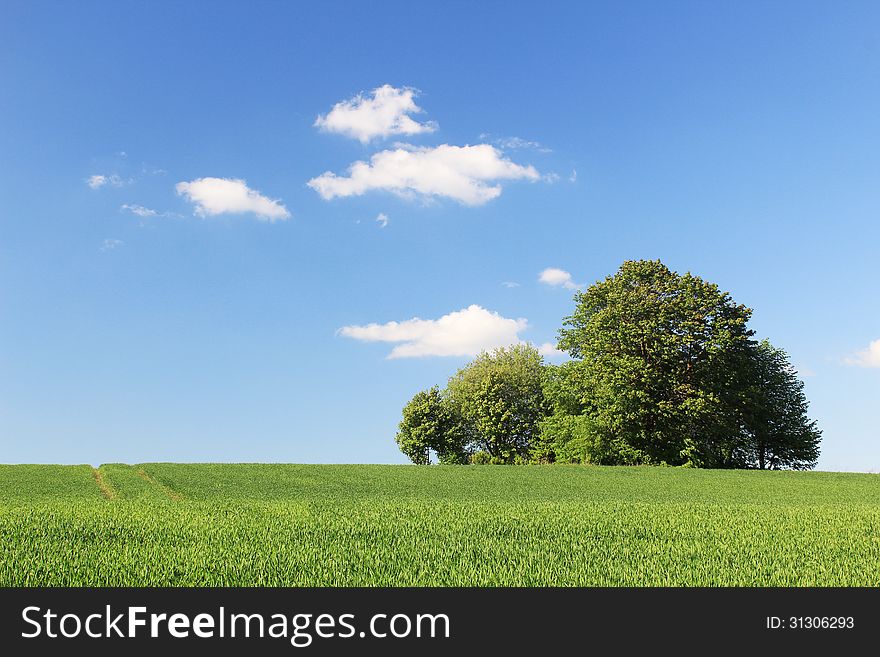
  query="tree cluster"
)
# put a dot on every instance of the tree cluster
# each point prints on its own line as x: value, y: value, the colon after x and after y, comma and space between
x: 663, y: 370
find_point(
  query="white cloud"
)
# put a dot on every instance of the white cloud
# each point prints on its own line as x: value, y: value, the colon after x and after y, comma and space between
x: 382, y: 113
x: 510, y: 284
x: 518, y: 143
x: 465, y: 332
x: 111, y: 243
x: 558, y: 278
x: 463, y: 173
x: 803, y: 371
x: 98, y: 180
x: 869, y: 357
x: 213, y: 196
x: 146, y: 213
x: 549, y: 350
x: 574, y: 176
x: 382, y: 220
x: 139, y: 210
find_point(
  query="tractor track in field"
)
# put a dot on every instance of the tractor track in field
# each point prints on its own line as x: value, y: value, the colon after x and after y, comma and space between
x: 106, y: 489
x: 169, y: 492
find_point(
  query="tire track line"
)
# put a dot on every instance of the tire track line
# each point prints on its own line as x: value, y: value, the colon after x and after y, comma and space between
x: 169, y: 492
x: 106, y: 489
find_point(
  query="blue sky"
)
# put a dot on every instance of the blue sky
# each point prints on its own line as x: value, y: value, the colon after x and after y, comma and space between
x: 168, y: 311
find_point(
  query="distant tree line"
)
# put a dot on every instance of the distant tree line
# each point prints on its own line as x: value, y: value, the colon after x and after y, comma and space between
x: 663, y: 370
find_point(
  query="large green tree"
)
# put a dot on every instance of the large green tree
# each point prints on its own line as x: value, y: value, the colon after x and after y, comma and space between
x: 499, y: 398
x: 659, y: 353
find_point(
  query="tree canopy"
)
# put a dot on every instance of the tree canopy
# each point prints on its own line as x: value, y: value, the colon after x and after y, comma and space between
x: 657, y: 350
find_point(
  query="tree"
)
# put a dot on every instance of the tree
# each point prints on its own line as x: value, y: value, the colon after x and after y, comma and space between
x: 659, y: 353
x: 499, y: 399
x: 778, y: 432
x: 430, y: 424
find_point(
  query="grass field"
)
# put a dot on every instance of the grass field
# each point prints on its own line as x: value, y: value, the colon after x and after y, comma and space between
x: 329, y: 525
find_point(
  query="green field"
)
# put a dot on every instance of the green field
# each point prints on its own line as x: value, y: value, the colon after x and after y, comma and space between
x: 350, y: 525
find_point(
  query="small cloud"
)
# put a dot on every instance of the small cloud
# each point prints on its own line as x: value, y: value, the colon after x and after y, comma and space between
x: 98, y: 180
x: 558, y: 278
x: 146, y: 213
x: 804, y: 372
x: 574, y: 176
x: 382, y: 220
x: 516, y: 143
x: 110, y: 244
x: 462, y: 173
x: 139, y: 210
x: 868, y: 357
x: 510, y: 284
x: 464, y: 332
x: 551, y: 177
x: 549, y: 350
x: 213, y: 196
x: 382, y: 113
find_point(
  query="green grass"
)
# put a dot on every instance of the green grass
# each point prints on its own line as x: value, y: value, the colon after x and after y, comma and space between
x: 325, y: 525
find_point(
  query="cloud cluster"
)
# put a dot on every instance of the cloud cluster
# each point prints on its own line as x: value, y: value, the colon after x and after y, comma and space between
x: 462, y: 173
x: 467, y: 174
x: 868, y: 357
x: 383, y: 113
x: 213, y: 196
x: 557, y: 278
x: 464, y: 332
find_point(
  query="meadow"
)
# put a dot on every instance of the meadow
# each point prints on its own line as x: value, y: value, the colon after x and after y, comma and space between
x: 160, y: 524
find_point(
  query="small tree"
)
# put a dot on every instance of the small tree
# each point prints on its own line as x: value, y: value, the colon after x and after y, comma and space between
x: 778, y: 432
x: 499, y: 399
x: 430, y: 424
